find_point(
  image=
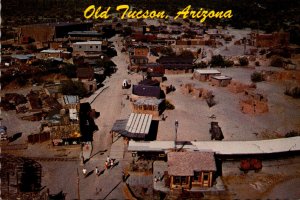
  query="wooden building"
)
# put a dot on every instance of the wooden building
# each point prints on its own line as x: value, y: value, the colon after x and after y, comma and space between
x: 191, y: 169
x: 177, y: 64
x: 141, y: 51
x: 148, y: 105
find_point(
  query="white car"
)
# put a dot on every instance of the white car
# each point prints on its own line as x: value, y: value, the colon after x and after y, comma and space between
x: 3, y: 133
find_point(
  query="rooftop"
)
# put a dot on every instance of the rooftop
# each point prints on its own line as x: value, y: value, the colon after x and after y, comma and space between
x: 221, y: 77
x: 88, y: 42
x: 207, y: 71
x: 186, y: 163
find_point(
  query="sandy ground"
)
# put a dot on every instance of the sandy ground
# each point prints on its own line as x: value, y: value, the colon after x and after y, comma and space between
x: 193, y: 116
x: 278, y: 179
x: 193, y: 113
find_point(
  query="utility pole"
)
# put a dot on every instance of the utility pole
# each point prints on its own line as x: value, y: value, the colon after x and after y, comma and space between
x: 176, y: 127
x: 78, y: 189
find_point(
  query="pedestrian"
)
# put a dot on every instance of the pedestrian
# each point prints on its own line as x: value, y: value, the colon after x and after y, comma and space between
x: 111, y: 162
x: 108, y: 159
x: 84, y: 171
x: 97, y: 171
x: 106, y: 165
x: 123, y: 176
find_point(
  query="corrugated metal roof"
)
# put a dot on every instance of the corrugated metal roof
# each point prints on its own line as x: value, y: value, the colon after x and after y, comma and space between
x: 139, y: 123
x: 70, y: 99
x: 22, y: 57
x: 51, y: 51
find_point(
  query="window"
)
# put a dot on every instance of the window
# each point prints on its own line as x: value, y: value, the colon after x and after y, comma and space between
x: 79, y: 47
x: 91, y: 47
x: 197, y: 177
x: 205, y: 176
x: 96, y: 47
x: 180, y: 180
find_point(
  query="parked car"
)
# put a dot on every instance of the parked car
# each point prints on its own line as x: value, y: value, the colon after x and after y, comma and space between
x: 3, y: 133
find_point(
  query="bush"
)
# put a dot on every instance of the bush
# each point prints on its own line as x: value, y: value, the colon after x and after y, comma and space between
x: 69, y: 70
x: 292, y: 134
x: 73, y: 88
x: 228, y: 63
x: 167, y: 51
x: 169, y: 106
x: 21, y: 81
x: 201, y: 65
x: 257, y: 63
x: 293, y: 91
x: 187, y: 53
x: 257, y: 77
x: 277, y: 62
x: 217, y: 60
x: 243, y: 61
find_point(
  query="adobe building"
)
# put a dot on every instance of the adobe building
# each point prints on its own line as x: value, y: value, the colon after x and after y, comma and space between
x: 176, y: 64
x: 43, y: 33
x: 254, y: 103
x: 270, y: 40
x: 205, y: 74
x: 188, y: 170
x: 221, y: 81
x: 86, y: 76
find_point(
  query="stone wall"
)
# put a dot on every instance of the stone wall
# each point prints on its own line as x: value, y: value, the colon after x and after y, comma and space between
x: 238, y: 87
x: 254, y: 103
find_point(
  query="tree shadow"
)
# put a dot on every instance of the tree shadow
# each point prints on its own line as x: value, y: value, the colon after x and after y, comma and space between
x: 101, y: 153
x: 90, y: 173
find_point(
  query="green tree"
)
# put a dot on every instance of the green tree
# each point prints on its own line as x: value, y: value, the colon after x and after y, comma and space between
x: 70, y: 87
x: 217, y: 61
x: 69, y: 70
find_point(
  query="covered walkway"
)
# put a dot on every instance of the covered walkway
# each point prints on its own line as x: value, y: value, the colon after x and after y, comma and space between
x: 222, y: 147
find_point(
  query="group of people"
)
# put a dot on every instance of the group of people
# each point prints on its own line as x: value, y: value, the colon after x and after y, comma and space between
x: 109, y: 163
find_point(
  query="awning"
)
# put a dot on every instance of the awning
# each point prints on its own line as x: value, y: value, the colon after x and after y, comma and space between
x: 137, y: 126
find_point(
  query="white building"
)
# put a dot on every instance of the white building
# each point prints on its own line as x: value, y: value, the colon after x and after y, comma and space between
x: 87, y: 46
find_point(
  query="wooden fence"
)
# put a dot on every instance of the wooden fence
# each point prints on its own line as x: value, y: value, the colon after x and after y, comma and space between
x: 38, y: 138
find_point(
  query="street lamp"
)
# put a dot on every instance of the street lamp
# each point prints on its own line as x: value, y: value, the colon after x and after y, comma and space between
x: 176, y: 127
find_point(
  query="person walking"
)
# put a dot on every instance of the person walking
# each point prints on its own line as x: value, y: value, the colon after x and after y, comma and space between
x: 106, y: 165
x: 111, y: 163
x: 108, y: 159
x: 84, y: 171
x: 97, y: 171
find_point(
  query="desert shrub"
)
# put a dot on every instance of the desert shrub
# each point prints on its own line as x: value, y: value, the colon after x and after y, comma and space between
x: 293, y: 91
x: 292, y: 134
x: 21, y: 81
x: 217, y: 60
x: 169, y: 105
x: 257, y: 77
x: 201, y: 65
x: 262, y: 52
x: 167, y: 51
x: 228, y: 63
x: 187, y: 53
x: 277, y: 62
x: 243, y: 61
